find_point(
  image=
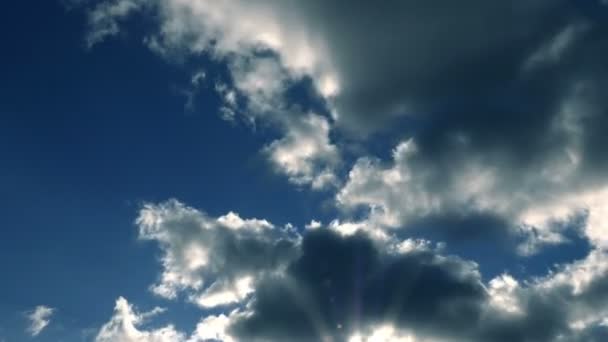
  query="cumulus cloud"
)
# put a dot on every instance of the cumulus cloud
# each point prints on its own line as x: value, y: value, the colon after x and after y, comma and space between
x: 212, y: 260
x: 125, y: 326
x: 356, y: 61
x: 189, y: 28
x: 215, y: 328
x: 503, y: 102
x: 354, y: 288
x: 104, y: 20
x: 538, y: 204
x: 39, y: 319
x: 343, y: 285
x: 331, y: 286
x: 306, y: 154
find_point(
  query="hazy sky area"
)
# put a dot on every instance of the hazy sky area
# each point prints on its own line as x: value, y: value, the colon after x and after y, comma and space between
x: 307, y: 171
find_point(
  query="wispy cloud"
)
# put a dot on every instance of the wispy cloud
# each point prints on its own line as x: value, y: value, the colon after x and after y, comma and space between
x: 39, y: 319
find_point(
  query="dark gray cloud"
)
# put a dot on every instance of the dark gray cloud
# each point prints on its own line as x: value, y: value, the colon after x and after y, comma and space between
x: 343, y: 285
x: 597, y: 333
x: 497, y: 75
x: 404, y: 56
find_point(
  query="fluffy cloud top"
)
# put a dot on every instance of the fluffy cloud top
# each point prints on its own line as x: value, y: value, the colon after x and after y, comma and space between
x: 124, y: 327
x: 213, y: 260
x: 356, y: 288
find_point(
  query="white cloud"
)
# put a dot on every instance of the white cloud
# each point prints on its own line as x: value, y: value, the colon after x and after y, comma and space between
x: 393, y: 194
x: 503, y: 292
x: 348, y: 228
x: 262, y: 81
x: 579, y: 275
x: 234, y: 221
x: 39, y: 319
x: 212, y: 260
x: 238, y: 27
x: 313, y: 225
x: 125, y: 326
x: 414, y: 245
x: 233, y: 30
x: 306, y: 154
x: 214, y: 328
x: 387, y: 333
x: 552, y: 51
x: 541, y: 201
x: 224, y: 294
x: 229, y: 108
x: 104, y: 19
x: 196, y: 82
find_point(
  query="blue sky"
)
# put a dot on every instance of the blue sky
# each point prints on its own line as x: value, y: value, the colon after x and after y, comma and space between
x: 172, y: 154
x: 90, y: 132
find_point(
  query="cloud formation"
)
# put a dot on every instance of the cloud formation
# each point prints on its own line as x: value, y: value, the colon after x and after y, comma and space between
x: 336, y: 287
x: 512, y: 89
x: 124, y: 327
x: 39, y: 319
x: 213, y: 260
x: 497, y: 113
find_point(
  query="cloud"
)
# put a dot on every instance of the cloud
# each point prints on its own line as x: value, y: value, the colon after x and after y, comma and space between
x: 306, y: 154
x: 330, y: 286
x: 212, y: 260
x: 474, y: 197
x: 337, y: 287
x: 346, y: 287
x: 493, y: 73
x: 367, y: 73
x: 262, y: 79
x: 214, y: 328
x: 124, y: 326
x: 342, y: 284
x: 196, y: 82
x: 104, y: 19
x: 39, y: 319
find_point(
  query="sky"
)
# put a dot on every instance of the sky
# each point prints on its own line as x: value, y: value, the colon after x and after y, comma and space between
x: 284, y: 170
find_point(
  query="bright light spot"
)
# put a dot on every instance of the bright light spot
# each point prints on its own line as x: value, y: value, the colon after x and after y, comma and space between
x: 195, y: 257
x: 502, y: 290
x: 241, y: 289
x: 383, y: 334
x: 328, y: 86
x: 313, y: 225
x: 355, y: 338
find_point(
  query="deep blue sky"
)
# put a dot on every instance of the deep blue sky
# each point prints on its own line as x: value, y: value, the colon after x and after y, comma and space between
x: 85, y: 138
